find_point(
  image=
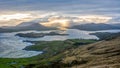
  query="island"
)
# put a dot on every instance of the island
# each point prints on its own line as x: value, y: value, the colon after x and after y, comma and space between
x: 37, y: 35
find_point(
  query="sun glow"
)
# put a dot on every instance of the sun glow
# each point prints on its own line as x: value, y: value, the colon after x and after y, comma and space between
x: 59, y: 23
x: 63, y: 22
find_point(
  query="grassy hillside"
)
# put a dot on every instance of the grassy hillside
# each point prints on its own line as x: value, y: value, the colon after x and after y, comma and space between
x: 53, y: 51
x: 102, y: 54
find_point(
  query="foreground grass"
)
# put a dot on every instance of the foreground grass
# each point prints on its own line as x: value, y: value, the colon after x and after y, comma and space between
x: 52, y: 53
x: 13, y: 62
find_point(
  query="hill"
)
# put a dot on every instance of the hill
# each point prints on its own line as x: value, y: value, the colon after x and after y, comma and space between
x: 4, y: 30
x: 116, y: 24
x: 98, y: 55
x: 25, y: 26
x: 102, y: 54
x: 106, y: 35
x: 95, y: 27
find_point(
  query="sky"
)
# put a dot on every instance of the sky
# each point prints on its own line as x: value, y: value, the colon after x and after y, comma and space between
x: 64, y: 12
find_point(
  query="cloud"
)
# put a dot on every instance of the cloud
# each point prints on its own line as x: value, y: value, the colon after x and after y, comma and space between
x: 15, y: 19
x: 14, y: 16
x: 81, y: 6
x: 68, y: 11
x: 51, y: 19
x: 67, y: 21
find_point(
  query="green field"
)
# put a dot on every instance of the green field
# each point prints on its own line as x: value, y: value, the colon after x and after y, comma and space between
x: 52, y: 51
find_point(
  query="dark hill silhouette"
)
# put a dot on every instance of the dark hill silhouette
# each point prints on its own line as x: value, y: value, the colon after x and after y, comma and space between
x: 95, y: 27
x: 25, y: 26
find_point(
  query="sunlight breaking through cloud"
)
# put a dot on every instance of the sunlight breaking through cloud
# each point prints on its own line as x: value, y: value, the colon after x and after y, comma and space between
x: 51, y: 19
x: 66, y: 21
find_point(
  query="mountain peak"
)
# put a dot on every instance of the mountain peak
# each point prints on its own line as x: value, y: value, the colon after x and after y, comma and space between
x: 28, y: 24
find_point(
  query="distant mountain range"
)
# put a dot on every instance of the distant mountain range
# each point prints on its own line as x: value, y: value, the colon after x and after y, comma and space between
x: 95, y: 27
x: 25, y: 26
x: 36, y: 26
x: 117, y: 25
